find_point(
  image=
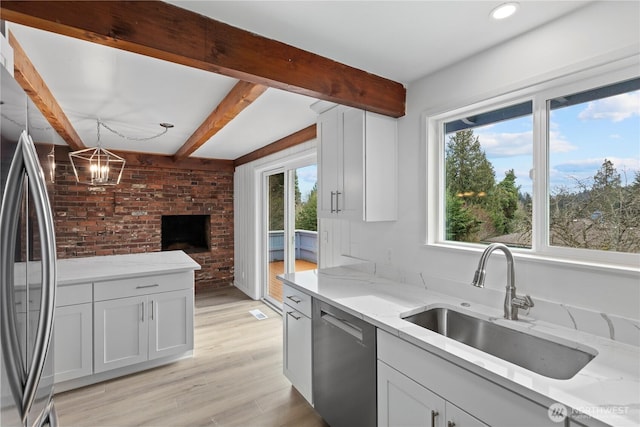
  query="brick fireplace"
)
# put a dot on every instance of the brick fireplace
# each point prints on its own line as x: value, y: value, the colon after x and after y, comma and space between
x: 189, y: 233
x: 127, y: 218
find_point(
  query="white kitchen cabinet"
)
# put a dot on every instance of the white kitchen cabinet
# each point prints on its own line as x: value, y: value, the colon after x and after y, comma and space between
x: 357, y: 165
x: 171, y: 323
x: 121, y: 333
x: 121, y: 314
x: 297, y: 327
x: 73, y: 344
x: 73, y: 334
x: 482, y: 401
x: 456, y: 417
x: 403, y: 402
x: 141, y: 319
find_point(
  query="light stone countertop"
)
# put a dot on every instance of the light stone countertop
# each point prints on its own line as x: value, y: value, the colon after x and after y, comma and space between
x: 607, y: 388
x: 99, y: 268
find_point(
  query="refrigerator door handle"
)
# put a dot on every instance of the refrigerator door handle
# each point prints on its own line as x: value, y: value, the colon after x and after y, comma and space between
x: 38, y: 190
x: 9, y: 216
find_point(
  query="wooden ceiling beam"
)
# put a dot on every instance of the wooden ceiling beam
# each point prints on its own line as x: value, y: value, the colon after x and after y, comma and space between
x: 303, y: 135
x: 32, y: 83
x: 167, y: 32
x: 238, y: 98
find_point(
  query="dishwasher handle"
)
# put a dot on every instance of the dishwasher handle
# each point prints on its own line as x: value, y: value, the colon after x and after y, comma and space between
x: 347, y: 327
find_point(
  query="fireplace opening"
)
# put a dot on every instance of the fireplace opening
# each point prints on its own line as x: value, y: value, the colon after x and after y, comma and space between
x: 189, y: 233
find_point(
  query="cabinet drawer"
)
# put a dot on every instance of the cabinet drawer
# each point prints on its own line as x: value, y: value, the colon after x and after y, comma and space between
x: 144, y: 285
x: 74, y: 294
x: 296, y: 299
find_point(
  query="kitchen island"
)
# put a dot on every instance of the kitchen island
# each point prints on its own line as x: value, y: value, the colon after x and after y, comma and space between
x: 120, y: 314
x: 605, y: 392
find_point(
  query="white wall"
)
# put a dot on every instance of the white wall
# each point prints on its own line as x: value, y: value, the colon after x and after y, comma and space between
x: 596, y: 34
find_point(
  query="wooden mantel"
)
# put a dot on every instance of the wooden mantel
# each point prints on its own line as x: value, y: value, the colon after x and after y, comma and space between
x: 167, y: 32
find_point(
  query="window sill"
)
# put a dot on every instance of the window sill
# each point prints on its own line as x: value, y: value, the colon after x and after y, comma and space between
x: 543, y: 259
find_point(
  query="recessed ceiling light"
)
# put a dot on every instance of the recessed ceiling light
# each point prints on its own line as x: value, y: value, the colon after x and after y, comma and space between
x: 505, y: 10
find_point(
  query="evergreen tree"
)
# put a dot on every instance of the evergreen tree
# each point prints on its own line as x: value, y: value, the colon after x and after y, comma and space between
x: 307, y: 215
x: 461, y: 225
x: 276, y: 202
x: 469, y: 173
x: 504, y: 203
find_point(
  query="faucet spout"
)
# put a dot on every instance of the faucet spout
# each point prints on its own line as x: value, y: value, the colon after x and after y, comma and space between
x: 511, y: 301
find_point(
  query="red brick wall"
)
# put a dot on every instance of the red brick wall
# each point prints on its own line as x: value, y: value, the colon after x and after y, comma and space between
x: 127, y: 218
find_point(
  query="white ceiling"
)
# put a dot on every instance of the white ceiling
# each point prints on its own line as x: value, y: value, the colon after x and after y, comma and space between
x: 131, y: 93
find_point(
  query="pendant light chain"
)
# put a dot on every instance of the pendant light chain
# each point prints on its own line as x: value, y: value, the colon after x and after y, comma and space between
x: 131, y: 138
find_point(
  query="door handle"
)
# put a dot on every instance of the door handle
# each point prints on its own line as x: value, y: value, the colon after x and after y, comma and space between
x: 44, y: 215
x: 347, y: 327
x: 338, y: 193
x: 332, y: 194
x: 434, y: 414
x: 9, y: 215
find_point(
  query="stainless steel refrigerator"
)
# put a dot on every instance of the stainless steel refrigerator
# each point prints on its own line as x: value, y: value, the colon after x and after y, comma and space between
x: 27, y: 267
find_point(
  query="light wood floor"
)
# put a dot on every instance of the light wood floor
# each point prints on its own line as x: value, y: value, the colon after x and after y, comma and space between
x: 234, y: 379
x: 277, y: 267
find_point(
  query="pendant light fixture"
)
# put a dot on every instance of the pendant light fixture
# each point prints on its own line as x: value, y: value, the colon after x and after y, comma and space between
x: 97, y: 166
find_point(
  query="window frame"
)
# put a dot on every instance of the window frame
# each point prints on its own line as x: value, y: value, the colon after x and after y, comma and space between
x: 538, y: 94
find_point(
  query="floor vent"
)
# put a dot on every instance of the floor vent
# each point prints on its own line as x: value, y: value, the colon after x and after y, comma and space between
x: 258, y: 314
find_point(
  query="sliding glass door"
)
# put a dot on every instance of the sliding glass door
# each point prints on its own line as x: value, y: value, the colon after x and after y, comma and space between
x: 290, y: 225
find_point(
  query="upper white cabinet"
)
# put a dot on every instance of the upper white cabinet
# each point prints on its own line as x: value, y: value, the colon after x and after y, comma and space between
x: 357, y: 157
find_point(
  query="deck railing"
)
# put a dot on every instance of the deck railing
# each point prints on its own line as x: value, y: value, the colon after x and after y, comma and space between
x: 306, y: 245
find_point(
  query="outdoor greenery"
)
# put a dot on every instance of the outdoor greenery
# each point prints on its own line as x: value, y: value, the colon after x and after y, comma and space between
x: 306, y: 211
x: 602, y: 212
x: 478, y: 208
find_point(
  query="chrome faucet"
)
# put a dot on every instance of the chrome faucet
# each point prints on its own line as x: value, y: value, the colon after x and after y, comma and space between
x: 512, y: 302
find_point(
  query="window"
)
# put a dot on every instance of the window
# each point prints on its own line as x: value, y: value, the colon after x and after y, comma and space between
x: 581, y: 141
x: 594, y: 169
x: 488, y: 157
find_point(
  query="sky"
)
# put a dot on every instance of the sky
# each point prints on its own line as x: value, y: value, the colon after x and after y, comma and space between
x: 307, y: 178
x: 582, y: 136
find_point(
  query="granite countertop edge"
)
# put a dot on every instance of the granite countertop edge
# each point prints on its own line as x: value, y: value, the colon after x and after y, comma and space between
x: 73, y: 271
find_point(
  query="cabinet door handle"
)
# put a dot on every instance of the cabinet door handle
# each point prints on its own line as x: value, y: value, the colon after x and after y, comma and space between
x: 338, y: 201
x: 147, y: 286
x: 332, y: 209
x: 294, y: 299
x: 290, y: 313
x: 451, y: 424
x: 434, y: 414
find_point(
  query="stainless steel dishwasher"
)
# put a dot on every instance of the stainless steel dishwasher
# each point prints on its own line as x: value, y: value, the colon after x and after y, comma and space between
x: 344, y: 367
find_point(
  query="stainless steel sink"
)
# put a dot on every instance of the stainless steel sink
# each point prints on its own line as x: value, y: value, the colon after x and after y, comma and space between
x: 536, y: 354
